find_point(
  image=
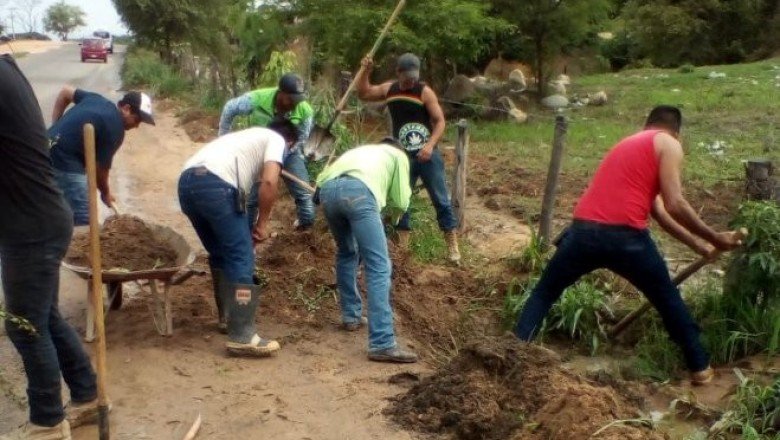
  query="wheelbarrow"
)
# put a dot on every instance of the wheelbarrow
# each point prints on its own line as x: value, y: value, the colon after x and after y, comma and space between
x: 159, y: 281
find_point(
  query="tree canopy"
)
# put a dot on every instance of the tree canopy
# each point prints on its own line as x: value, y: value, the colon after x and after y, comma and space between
x: 62, y: 18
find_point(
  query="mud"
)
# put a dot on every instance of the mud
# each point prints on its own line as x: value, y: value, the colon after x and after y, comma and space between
x: 126, y: 243
x: 500, y: 388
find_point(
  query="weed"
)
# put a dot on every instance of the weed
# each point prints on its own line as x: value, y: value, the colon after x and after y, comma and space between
x: 144, y: 68
x: 754, y: 412
x: 686, y: 68
x: 532, y: 258
x: 279, y: 64
x: 427, y: 241
x: 16, y: 320
x: 312, y: 303
x: 516, y: 295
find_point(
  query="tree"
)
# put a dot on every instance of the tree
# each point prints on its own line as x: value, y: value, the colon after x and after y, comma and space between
x: 547, y: 27
x: 62, y: 18
x: 29, y: 16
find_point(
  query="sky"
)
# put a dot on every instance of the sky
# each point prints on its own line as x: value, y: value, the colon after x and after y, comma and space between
x: 100, y: 14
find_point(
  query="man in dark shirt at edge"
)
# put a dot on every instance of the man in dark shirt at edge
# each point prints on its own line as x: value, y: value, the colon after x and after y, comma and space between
x: 35, y: 231
x: 67, y: 141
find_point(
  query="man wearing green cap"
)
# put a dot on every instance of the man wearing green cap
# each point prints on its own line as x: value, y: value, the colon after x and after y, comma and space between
x: 418, y: 124
x: 287, y: 101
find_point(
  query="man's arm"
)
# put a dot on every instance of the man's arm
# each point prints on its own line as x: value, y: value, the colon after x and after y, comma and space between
x: 64, y: 99
x: 266, y: 197
x: 102, y: 184
x: 365, y: 90
x: 671, y: 157
x: 677, y: 231
x: 438, y: 122
x: 234, y: 107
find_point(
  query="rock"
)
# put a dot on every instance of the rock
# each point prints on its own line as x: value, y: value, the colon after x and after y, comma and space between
x: 555, y: 102
x: 518, y: 116
x: 479, y: 80
x: 598, y: 98
x: 460, y: 89
x: 563, y: 79
x: 501, y: 69
x: 517, y: 79
x: 505, y: 103
x: 716, y: 75
x: 557, y: 88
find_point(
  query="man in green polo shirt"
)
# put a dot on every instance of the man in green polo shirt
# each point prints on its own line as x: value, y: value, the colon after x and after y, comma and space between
x: 287, y: 101
x: 353, y: 191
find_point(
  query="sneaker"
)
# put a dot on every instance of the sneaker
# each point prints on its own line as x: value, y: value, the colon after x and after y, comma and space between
x: 392, y: 354
x: 257, y: 347
x: 79, y: 414
x: 30, y: 431
x: 354, y: 326
x: 702, y: 377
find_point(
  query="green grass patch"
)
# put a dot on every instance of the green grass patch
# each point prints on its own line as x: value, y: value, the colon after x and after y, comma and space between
x: 427, y: 241
x: 144, y: 68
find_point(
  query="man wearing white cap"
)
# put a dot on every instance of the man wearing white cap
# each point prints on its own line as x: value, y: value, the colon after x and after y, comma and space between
x: 67, y: 141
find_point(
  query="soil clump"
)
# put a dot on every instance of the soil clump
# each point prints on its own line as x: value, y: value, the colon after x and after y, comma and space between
x: 126, y: 243
x: 501, y: 388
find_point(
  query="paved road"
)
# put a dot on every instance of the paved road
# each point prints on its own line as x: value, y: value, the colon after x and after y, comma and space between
x: 47, y: 73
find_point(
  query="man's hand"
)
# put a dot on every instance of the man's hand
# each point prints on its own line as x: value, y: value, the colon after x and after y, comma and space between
x: 424, y: 155
x: 726, y: 241
x: 368, y: 63
x: 707, y: 251
x: 107, y: 198
x: 259, y: 235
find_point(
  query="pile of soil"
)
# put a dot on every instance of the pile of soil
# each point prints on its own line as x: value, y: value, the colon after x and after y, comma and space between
x: 126, y: 243
x: 501, y: 388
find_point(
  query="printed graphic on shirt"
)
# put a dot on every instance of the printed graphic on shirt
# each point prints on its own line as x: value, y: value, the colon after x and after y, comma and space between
x: 413, y: 136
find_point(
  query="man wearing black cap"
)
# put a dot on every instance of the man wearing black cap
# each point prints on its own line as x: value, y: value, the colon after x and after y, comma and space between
x: 287, y: 101
x: 66, y: 136
x: 418, y: 124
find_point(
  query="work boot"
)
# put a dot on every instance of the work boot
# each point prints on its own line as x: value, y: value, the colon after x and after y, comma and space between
x: 451, y: 237
x: 86, y: 413
x: 30, y: 431
x: 243, y: 339
x: 403, y: 239
x: 702, y: 377
x: 354, y: 326
x: 220, y: 287
x: 392, y: 354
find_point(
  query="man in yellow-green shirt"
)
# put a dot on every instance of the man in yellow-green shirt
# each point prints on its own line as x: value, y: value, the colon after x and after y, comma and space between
x: 353, y: 191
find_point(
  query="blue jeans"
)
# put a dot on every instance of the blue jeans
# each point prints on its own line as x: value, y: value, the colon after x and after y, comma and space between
x: 433, y: 178
x: 295, y: 163
x: 628, y: 252
x: 354, y: 221
x: 209, y: 203
x: 31, y: 276
x: 74, y: 188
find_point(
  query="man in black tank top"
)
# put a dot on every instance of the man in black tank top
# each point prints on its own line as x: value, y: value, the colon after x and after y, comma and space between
x: 418, y: 124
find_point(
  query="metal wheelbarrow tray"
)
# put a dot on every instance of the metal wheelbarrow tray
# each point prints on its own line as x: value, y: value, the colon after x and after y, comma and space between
x: 167, y: 276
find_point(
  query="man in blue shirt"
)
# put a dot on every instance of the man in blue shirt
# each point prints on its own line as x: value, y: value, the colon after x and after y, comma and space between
x: 66, y: 136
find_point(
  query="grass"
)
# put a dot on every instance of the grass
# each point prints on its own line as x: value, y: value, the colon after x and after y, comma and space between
x: 143, y: 68
x: 754, y: 413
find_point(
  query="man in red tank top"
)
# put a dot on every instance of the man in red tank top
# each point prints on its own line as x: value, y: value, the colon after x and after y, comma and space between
x: 638, y: 178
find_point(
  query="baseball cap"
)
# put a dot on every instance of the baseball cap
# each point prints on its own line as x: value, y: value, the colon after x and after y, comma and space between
x: 408, y: 62
x: 292, y: 85
x: 141, y: 104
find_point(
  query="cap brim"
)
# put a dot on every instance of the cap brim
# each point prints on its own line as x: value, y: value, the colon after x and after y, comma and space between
x: 147, y: 118
x: 409, y: 73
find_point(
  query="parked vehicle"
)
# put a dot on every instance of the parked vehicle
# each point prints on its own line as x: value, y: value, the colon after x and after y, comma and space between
x: 94, y: 49
x: 107, y: 38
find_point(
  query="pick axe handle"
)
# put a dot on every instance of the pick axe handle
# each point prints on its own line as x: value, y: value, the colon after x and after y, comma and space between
x: 677, y: 280
x: 288, y: 175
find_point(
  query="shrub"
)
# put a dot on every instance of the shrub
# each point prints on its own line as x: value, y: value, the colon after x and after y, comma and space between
x: 144, y: 68
x: 686, y: 68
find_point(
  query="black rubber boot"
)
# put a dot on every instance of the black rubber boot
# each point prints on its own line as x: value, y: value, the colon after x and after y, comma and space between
x: 243, y: 339
x: 221, y: 287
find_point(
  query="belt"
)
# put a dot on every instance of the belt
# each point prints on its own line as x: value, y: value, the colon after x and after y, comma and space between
x: 596, y: 226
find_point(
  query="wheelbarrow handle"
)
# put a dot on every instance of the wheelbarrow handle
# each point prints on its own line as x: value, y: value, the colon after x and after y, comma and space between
x: 185, y: 275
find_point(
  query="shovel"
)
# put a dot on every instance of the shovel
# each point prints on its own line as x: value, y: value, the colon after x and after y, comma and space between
x: 677, y: 280
x: 321, y: 142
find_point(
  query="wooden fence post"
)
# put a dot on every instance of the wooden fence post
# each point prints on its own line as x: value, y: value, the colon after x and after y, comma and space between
x: 461, y: 172
x: 759, y: 179
x: 551, y: 188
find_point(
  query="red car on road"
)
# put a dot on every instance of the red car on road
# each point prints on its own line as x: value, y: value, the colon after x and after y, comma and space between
x: 94, y: 49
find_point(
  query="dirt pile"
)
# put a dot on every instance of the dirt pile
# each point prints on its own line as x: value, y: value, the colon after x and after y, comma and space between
x: 500, y: 388
x: 127, y: 243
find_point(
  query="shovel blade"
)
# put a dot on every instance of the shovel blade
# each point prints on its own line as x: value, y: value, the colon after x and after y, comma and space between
x: 320, y: 144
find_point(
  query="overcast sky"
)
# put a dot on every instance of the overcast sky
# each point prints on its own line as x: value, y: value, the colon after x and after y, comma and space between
x: 100, y: 14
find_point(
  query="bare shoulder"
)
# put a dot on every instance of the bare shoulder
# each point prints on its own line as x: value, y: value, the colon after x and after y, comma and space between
x: 666, y: 143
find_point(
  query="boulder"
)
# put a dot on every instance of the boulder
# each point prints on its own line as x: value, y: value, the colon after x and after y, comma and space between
x: 460, y: 89
x: 555, y: 102
x: 517, y: 79
x: 557, y: 88
x: 505, y: 103
x: 563, y: 79
x: 598, y: 98
x: 518, y: 116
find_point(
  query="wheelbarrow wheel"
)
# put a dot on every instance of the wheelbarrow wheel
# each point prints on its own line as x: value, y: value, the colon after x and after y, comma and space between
x: 115, y: 295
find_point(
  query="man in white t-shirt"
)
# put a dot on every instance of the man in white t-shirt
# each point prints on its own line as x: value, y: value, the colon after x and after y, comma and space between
x: 212, y: 193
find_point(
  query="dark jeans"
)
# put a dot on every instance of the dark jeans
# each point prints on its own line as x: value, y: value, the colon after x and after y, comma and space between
x: 433, y: 177
x: 31, y: 276
x: 631, y: 254
x: 209, y: 203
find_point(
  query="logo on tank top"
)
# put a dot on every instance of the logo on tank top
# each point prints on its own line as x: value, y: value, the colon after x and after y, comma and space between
x: 413, y: 136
